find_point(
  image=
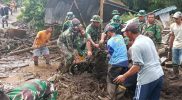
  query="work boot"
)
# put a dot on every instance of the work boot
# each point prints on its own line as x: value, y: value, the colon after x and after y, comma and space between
x: 176, y: 73
x: 120, y: 91
x: 35, y: 60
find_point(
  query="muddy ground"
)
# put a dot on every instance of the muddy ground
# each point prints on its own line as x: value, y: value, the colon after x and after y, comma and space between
x: 74, y: 87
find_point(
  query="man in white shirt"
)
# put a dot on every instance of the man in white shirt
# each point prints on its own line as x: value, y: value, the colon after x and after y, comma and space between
x: 176, y: 44
x: 146, y: 63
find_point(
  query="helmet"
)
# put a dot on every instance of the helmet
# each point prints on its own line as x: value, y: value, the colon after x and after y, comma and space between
x: 96, y: 18
x: 75, y: 22
x: 141, y: 13
x: 70, y: 15
x: 109, y: 27
x: 116, y: 19
x: 115, y: 12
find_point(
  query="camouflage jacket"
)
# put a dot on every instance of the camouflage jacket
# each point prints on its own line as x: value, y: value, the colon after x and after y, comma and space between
x: 66, y: 25
x: 34, y: 90
x: 93, y: 32
x: 73, y: 40
x: 154, y: 32
x: 141, y: 27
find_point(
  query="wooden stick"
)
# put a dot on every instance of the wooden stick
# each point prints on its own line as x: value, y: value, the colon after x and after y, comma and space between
x: 101, y: 8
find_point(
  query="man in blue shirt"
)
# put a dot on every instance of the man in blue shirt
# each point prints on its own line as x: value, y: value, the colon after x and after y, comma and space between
x: 118, y: 62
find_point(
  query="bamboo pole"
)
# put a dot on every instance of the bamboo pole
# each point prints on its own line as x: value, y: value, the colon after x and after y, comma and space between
x: 101, y: 8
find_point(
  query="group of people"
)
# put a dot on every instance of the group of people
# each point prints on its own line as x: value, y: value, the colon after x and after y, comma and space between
x: 140, y: 40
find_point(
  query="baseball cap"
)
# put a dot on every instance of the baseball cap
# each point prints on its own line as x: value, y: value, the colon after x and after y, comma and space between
x: 177, y: 14
x: 132, y: 27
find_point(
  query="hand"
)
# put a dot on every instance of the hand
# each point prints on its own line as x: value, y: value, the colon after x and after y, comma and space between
x: 119, y: 79
x: 96, y: 45
x: 101, y: 41
x: 89, y: 53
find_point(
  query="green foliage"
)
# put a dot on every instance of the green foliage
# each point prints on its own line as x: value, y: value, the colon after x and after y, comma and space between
x: 127, y: 16
x: 150, y: 5
x: 34, y: 13
x: 5, y: 1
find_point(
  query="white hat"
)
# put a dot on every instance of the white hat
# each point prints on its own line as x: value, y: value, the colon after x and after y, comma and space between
x: 177, y: 14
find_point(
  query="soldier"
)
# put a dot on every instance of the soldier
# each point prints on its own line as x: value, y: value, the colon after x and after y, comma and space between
x: 141, y: 18
x: 71, y: 42
x: 93, y: 32
x: 33, y: 90
x: 115, y: 12
x: 67, y: 23
x: 153, y: 30
x: 40, y: 44
x: 117, y: 23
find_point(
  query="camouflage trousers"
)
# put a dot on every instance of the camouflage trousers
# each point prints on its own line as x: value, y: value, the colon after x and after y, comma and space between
x: 34, y: 90
x: 67, y: 58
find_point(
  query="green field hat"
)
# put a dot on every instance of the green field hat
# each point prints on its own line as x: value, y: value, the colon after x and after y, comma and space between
x: 141, y: 13
x: 115, y: 12
x: 96, y: 18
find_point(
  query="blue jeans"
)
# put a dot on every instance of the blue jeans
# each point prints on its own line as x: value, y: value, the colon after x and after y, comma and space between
x: 177, y: 56
x: 150, y: 91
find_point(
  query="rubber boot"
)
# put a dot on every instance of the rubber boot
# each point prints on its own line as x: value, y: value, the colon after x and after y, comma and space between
x: 176, y: 73
x: 35, y: 58
x: 47, y: 59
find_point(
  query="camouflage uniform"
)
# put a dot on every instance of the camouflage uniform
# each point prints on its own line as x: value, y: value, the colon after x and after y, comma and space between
x: 117, y: 23
x: 66, y: 25
x: 93, y: 32
x: 141, y: 27
x: 35, y: 90
x: 70, y: 44
x: 154, y: 32
x: 142, y: 24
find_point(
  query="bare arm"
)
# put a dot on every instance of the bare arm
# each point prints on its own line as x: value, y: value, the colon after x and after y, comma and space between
x: 133, y: 70
x: 103, y: 36
x: 171, y: 40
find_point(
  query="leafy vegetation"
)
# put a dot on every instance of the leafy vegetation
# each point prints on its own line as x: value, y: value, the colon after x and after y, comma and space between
x: 150, y: 5
x: 33, y: 13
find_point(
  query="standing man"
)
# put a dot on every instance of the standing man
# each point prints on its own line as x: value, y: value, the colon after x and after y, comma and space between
x: 93, y: 32
x: 67, y: 23
x: 176, y: 44
x: 146, y: 63
x: 40, y: 45
x: 71, y: 42
x: 118, y: 63
x: 153, y: 30
x: 141, y: 18
x: 5, y: 15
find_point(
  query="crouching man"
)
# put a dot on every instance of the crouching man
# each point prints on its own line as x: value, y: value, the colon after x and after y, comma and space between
x: 71, y: 42
x: 118, y: 63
